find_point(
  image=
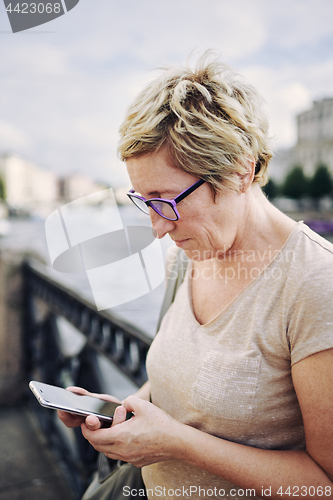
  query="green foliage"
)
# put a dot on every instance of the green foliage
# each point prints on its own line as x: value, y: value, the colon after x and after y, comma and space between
x: 321, y: 183
x: 271, y: 189
x: 295, y: 184
x: 2, y: 190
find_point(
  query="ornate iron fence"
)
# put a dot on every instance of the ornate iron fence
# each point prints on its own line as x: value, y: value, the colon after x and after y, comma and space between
x: 48, y: 360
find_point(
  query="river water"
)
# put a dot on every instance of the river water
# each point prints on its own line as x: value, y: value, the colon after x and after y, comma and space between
x: 28, y: 235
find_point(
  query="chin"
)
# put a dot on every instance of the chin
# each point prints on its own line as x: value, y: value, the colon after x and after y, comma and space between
x: 199, y: 255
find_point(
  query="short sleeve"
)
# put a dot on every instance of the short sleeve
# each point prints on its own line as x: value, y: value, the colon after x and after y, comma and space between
x: 310, y: 326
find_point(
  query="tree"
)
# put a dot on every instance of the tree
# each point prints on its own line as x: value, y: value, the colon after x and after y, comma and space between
x: 2, y: 189
x: 295, y: 184
x: 321, y: 183
x: 271, y: 189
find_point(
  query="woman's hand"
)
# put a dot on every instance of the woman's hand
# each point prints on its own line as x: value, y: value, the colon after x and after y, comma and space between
x: 71, y: 420
x: 150, y: 436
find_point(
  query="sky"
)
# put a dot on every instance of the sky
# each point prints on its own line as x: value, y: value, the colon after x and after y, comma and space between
x: 65, y: 85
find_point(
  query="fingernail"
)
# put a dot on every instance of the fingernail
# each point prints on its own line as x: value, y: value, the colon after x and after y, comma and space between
x: 121, y: 411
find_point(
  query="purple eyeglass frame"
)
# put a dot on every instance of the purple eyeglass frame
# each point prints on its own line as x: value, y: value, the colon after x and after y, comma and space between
x: 172, y: 203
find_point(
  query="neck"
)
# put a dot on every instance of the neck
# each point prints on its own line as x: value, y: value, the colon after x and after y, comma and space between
x: 263, y: 226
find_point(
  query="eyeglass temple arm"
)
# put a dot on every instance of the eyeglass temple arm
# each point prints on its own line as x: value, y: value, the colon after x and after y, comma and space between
x: 188, y: 191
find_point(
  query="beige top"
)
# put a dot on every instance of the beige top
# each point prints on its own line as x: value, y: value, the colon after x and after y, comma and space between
x: 232, y: 376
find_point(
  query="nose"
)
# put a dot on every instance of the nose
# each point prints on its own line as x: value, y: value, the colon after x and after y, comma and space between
x: 162, y: 226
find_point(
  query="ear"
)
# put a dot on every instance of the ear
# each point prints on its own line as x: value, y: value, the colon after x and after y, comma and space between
x: 246, y: 179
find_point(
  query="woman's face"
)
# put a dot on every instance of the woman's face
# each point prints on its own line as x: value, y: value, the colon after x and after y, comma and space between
x: 206, y: 228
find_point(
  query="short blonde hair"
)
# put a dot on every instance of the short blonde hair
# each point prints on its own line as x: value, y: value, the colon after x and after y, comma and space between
x: 209, y: 119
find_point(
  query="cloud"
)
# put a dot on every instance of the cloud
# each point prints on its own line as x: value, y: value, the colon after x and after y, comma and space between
x: 150, y: 33
x: 64, y: 94
x: 300, y: 22
x: 284, y: 101
x: 32, y: 57
x: 13, y: 138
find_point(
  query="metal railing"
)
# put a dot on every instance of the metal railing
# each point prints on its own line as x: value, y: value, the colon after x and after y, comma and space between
x: 122, y: 344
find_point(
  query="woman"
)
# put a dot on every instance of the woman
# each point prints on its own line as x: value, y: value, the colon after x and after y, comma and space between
x: 240, y: 374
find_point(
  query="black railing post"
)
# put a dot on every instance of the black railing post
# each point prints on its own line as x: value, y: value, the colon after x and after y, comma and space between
x: 124, y: 345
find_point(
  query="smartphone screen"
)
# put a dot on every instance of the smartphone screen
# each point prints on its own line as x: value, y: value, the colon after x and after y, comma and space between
x: 58, y: 398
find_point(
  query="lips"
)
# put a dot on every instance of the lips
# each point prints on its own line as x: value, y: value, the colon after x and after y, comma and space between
x: 180, y: 243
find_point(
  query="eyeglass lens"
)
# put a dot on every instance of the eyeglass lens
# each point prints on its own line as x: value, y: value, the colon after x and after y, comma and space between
x: 140, y: 204
x: 162, y: 208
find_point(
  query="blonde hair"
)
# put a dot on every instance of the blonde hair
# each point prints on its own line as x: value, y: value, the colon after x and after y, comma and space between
x: 209, y: 119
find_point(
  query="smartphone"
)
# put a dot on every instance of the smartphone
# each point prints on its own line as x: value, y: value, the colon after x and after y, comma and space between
x: 58, y: 398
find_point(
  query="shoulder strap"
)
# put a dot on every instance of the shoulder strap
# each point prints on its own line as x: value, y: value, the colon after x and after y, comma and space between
x: 176, y: 265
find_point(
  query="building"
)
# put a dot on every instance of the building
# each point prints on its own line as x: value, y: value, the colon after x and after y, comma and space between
x: 77, y: 185
x: 315, y: 137
x: 280, y: 164
x: 28, y: 186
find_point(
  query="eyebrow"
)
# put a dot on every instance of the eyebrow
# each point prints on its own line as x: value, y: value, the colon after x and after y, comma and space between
x: 152, y: 193
x: 156, y: 194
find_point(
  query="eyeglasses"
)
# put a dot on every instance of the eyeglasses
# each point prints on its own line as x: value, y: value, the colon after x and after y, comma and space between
x: 163, y: 207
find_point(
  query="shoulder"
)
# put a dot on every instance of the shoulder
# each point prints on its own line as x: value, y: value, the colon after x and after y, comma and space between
x: 309, y: 293
x: 311, y: 246
x: 311, y: 266
x: 307, y: 260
